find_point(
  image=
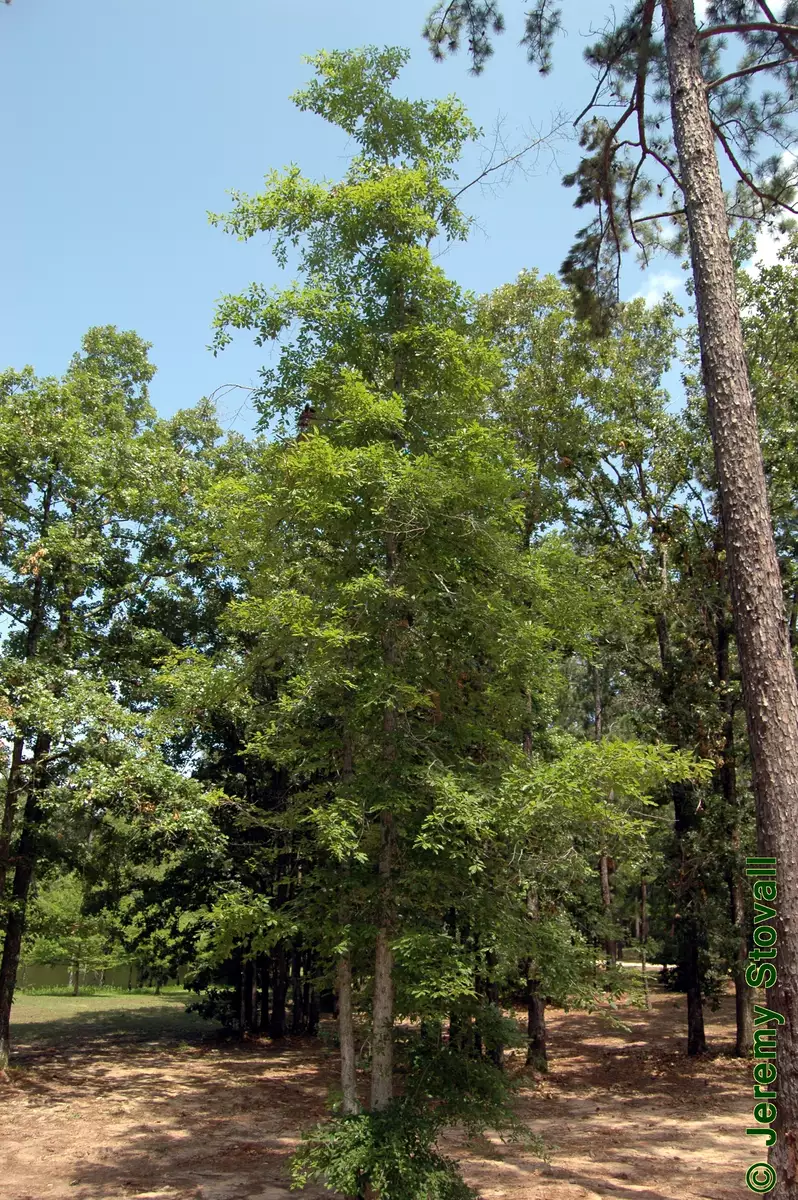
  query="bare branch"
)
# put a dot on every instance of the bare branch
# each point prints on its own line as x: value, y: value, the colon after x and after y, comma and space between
x: 673, y: 212
x: 511, y: 158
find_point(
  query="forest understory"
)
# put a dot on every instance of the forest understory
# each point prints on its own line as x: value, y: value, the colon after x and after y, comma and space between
x: 96, y: 1110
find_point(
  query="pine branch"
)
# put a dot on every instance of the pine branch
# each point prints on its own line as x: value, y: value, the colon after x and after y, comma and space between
x: 752, y: 27
x: 765, y: 66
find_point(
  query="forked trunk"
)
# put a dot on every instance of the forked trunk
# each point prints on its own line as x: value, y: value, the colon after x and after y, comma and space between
x: 769, y: 685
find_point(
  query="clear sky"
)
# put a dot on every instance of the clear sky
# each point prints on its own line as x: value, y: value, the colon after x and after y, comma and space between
x: 127, y: 120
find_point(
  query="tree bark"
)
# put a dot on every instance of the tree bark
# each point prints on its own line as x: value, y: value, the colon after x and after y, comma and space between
x: 263, y: 1024
x: 688, y: 928
x: 727, y: 778
x: 279, y: 991
x: 769, y: 686
x: 644, y: 939
x: 20, y: 890
x: 536, y: 1053
x: 346, y: 1036
x: 382, y: 1003
x: 610, y: 945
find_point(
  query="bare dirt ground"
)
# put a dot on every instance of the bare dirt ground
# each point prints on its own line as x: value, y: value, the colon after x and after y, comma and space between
x: 128, y: 1097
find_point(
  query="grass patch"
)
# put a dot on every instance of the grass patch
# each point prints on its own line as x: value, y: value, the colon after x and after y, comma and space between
x: 49, y: 1020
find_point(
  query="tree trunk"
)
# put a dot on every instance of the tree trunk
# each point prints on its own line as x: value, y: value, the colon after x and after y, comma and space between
x: 74, y: 977
x: 610, y: 945
x: 13, y: 789
x: 279, y: 990
x: 688, y: 927
x: 727, y: 778
x: 263, y: 1024
x: 536, y: 1054
x: 743, y: 995
x: 769, y: 686
x: 346, y: 1037
x: 250, y: 997
x: 297, y: 993
x: 382, y: 1003
x: 644, y: 939
x: 15, y: 920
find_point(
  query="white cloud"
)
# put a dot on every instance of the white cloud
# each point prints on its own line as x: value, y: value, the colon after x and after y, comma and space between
x: 657, y: 285
x: 768, y: 244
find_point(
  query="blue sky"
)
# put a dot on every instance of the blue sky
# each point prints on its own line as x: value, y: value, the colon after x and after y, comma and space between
x: 127, y: 120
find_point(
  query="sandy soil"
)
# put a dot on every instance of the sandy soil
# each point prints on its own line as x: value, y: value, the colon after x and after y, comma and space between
x: 145, y: 1108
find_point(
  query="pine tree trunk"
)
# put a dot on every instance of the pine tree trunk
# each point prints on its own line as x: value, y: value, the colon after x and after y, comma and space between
x: 536, y: 1053
x: 769, y: 686
x: 346, y: 1036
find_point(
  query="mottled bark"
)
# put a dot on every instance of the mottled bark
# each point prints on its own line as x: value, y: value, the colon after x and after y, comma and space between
x: 382, y: 1002
x: 346, y: 1036
x: 769, y: 685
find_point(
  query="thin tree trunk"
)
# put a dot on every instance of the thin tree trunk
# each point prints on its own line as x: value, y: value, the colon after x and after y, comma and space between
x: 688, y: 927
x: 610, y: 945
x: 279, y: 991
x: 644, y: 938
x: 297, y: 993
x: 346, y: 1036
x: 74, y: 973
x: 536, y: 1053
x: 382, y: 1003
x: 20, y: 890
x: 13, y: 789
x: 263, y: 1024
x: 727, y: 778
x: 743, y: 995
x: 250, y: 998
x: 769, y: 685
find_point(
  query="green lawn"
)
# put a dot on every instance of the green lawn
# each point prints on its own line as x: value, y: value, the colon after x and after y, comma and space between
x: 50, y: 1020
